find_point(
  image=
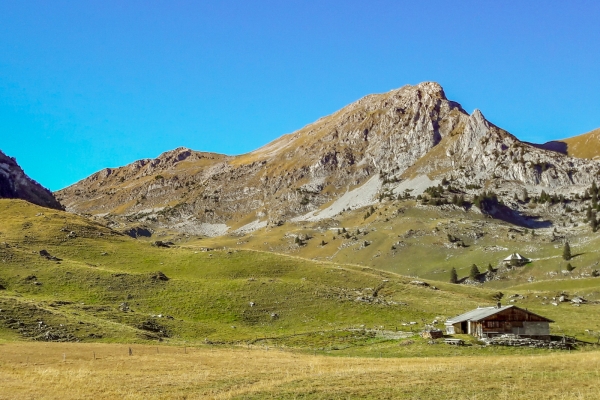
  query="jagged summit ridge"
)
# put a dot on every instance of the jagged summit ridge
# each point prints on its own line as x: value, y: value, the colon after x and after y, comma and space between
x: 394, y: 137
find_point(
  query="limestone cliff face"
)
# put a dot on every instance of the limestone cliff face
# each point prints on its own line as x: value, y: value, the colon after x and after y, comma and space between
x: 408, y: 132
x: 15, y: 184
x: 489, y: 153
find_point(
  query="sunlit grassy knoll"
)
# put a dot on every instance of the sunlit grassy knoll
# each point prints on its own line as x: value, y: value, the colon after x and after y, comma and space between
x: 69, y: 371
x: 221, y: 296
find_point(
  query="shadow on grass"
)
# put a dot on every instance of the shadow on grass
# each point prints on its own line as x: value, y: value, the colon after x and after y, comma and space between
x: 507, y: 214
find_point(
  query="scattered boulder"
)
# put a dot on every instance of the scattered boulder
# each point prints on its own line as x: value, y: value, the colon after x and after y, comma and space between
x: 431, y: 333
x: 124, y: 307
x: 138, y: 231
x: 423, y: 284
x: 159, y: 276
x: 578, y: 300
x: 48, y: 256
x: 160, y: 243
x: 55, y: 336
x: 153, y: 326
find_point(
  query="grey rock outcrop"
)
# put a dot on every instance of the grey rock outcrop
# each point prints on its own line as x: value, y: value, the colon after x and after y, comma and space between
x: 15, y: 184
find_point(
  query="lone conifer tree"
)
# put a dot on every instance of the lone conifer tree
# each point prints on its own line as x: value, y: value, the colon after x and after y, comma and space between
x: 474, y: 272
x: 453, y: 276
x: 567, y: 252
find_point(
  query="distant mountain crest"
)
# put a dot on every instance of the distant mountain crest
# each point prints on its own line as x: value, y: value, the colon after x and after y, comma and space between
x: 15, y: 184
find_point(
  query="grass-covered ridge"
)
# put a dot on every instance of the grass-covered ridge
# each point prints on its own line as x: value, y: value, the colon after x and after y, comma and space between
x: 215, y: 296
x: 106, y: 287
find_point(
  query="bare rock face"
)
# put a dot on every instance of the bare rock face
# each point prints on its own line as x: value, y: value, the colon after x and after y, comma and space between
x: 412, y: 134
x: 14, y: 184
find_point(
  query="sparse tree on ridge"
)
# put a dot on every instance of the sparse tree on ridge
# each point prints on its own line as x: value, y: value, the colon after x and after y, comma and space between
x: 453, y: 276
x: 474, y: 272
x: 567, y: 252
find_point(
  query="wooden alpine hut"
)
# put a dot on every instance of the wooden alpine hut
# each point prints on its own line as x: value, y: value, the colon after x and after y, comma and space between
x: 495, y: 321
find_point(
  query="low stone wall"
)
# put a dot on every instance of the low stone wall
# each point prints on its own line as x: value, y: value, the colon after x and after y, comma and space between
x: 511, y: 340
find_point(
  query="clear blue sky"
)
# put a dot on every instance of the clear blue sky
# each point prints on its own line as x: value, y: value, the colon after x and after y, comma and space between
x: 91, y: 84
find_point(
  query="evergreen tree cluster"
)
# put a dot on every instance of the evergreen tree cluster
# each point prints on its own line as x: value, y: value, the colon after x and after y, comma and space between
x: 369, y: 213
x: 437, y: 195
x: 458, y: 200
x: 485, y: 200
x: 549, y: 198
x: 592, y: 209
x: 474, y: 273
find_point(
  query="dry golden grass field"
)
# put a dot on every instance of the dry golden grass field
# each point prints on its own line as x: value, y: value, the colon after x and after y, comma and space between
x: 69, y: 371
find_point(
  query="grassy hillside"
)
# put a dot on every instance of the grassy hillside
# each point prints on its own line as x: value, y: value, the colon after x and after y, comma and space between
x: 220, y: 296
x: 427, y: 241
x: 109, y: 287
x: 584, y: 146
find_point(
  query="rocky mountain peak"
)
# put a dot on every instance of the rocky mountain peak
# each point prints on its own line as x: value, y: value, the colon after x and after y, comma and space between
x: 433, y: 89
x: 405, y: 139
x: 15, y: 184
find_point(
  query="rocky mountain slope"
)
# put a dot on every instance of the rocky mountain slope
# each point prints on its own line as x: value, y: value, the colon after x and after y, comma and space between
x: 15, y: 184
x: 382, y: 146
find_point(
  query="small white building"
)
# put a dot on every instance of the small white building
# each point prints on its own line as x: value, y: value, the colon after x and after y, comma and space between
x: 515, y: 259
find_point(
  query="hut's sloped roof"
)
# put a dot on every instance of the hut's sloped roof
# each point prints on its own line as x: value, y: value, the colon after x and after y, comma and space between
x: 476, y: 314
x: 481, y: 313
